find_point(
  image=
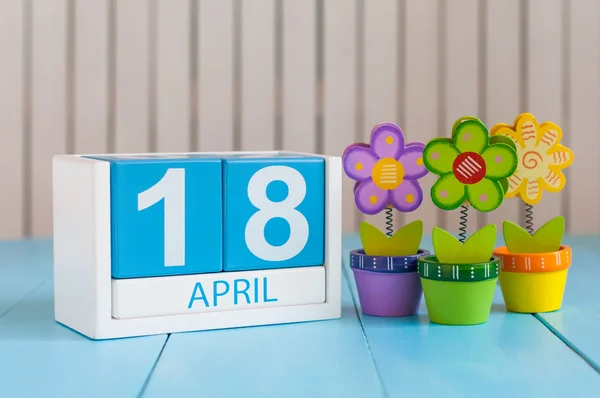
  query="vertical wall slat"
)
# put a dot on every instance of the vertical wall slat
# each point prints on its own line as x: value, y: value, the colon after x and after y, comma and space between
x: 544, y: 77
x: 299, y: 74
x: 258, y: 75
x: 339, y: 91
x: 422, y: 91
x: 581, y: 134
x: 461, y: 79
x: 502, y: 84
x: 91, y: 76
x: 215, y: 75
x: 173, y: 76
x: 48, y: 124
x: 11, y: 118
x: 132, y: 81
x: 380, y: 74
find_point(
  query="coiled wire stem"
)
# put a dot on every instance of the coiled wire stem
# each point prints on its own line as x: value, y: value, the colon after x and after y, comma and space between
x: 463, y: 224
x: 529, y: 218
x: 389, y: 221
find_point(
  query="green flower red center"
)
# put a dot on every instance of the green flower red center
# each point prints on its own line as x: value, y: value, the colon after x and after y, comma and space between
x: 472, y: 166
x: 469, y: 168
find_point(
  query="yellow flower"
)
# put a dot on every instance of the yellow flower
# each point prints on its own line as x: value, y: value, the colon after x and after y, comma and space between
x: 541, y: 157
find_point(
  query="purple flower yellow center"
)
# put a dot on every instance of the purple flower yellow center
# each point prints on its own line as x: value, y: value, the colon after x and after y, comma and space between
x: 469, y: 168
x: 388, y: 173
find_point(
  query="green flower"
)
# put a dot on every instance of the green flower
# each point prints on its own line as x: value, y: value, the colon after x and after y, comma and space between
x: 472, y: 166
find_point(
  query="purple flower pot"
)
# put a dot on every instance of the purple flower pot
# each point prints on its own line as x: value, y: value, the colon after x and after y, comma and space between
x: 387, y: 286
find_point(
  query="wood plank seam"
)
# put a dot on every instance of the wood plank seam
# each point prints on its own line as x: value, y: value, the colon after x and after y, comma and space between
x: 194, y: 73
x: 26, y: 295
x: 359, y: 315
x: 567, y: 342
x: 319, y: 76
x: 442, y: 34
x: 27, y: 227
x: 482, y: 91
x: 360, y: 89
x: 566, y: 101
x: 147, y: 380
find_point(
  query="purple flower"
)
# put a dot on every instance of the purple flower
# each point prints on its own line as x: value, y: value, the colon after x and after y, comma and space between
x: 386, y: 171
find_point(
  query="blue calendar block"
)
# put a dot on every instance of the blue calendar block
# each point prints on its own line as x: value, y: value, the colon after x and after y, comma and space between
x: 166, y: 215
x: 274, y: 212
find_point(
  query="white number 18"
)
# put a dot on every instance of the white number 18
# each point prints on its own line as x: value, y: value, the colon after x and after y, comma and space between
x: 171, y: 188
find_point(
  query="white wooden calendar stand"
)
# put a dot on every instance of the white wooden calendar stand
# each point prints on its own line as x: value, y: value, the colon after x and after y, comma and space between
x: 83, y: 289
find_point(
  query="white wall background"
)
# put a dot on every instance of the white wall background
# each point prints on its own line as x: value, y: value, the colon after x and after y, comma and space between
x: 101, y: 76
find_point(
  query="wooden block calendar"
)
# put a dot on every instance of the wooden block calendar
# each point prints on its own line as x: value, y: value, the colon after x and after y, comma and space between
x: 164, y: 243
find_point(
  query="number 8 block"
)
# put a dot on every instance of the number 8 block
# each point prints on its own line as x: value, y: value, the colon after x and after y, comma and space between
x: 165, y: 243
x: 274, y: 212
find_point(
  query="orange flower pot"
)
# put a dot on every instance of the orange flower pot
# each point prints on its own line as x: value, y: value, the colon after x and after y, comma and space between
x: 533, y: 282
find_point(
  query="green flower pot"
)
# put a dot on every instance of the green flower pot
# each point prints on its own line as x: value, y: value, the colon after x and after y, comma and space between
x: 458, y: 294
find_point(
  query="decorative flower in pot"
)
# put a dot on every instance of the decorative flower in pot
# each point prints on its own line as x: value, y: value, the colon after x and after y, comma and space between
x: 459, y: 280
x: 386, y: 172
x: 534, y: 265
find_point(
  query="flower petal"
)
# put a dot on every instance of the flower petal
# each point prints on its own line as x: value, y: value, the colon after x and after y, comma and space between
x: 532, y: 163
x: 412, y: 161
x: 471, y: 136
x: 439, y: 155
x: 503, y: 139
x: 407, y: 197
x: 515, y: 182
x: 369, y: 198
x: 448, y: 193
x: 554, y: 180
x: 462, y: 120
x: 531, y: 192
x: 504, y: 130
x: 548, y: 135
x: 561, y: 156
x: 358, y: 163
x: 486, y: 195
x: 528, y: 128
x: 504, y: 183
x: 387, y: 140
x: 500, y: 161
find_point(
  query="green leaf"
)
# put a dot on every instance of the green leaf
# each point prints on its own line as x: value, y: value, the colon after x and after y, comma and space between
x: 546, y: 239
x: 404, y: 242
x: 477, y: 249
x: 516, y: 238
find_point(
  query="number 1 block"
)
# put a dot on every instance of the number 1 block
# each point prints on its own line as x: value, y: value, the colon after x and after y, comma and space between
x: 166, y: 215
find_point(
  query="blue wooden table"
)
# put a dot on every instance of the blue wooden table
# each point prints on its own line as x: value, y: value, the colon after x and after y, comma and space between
x: 513, y: 355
